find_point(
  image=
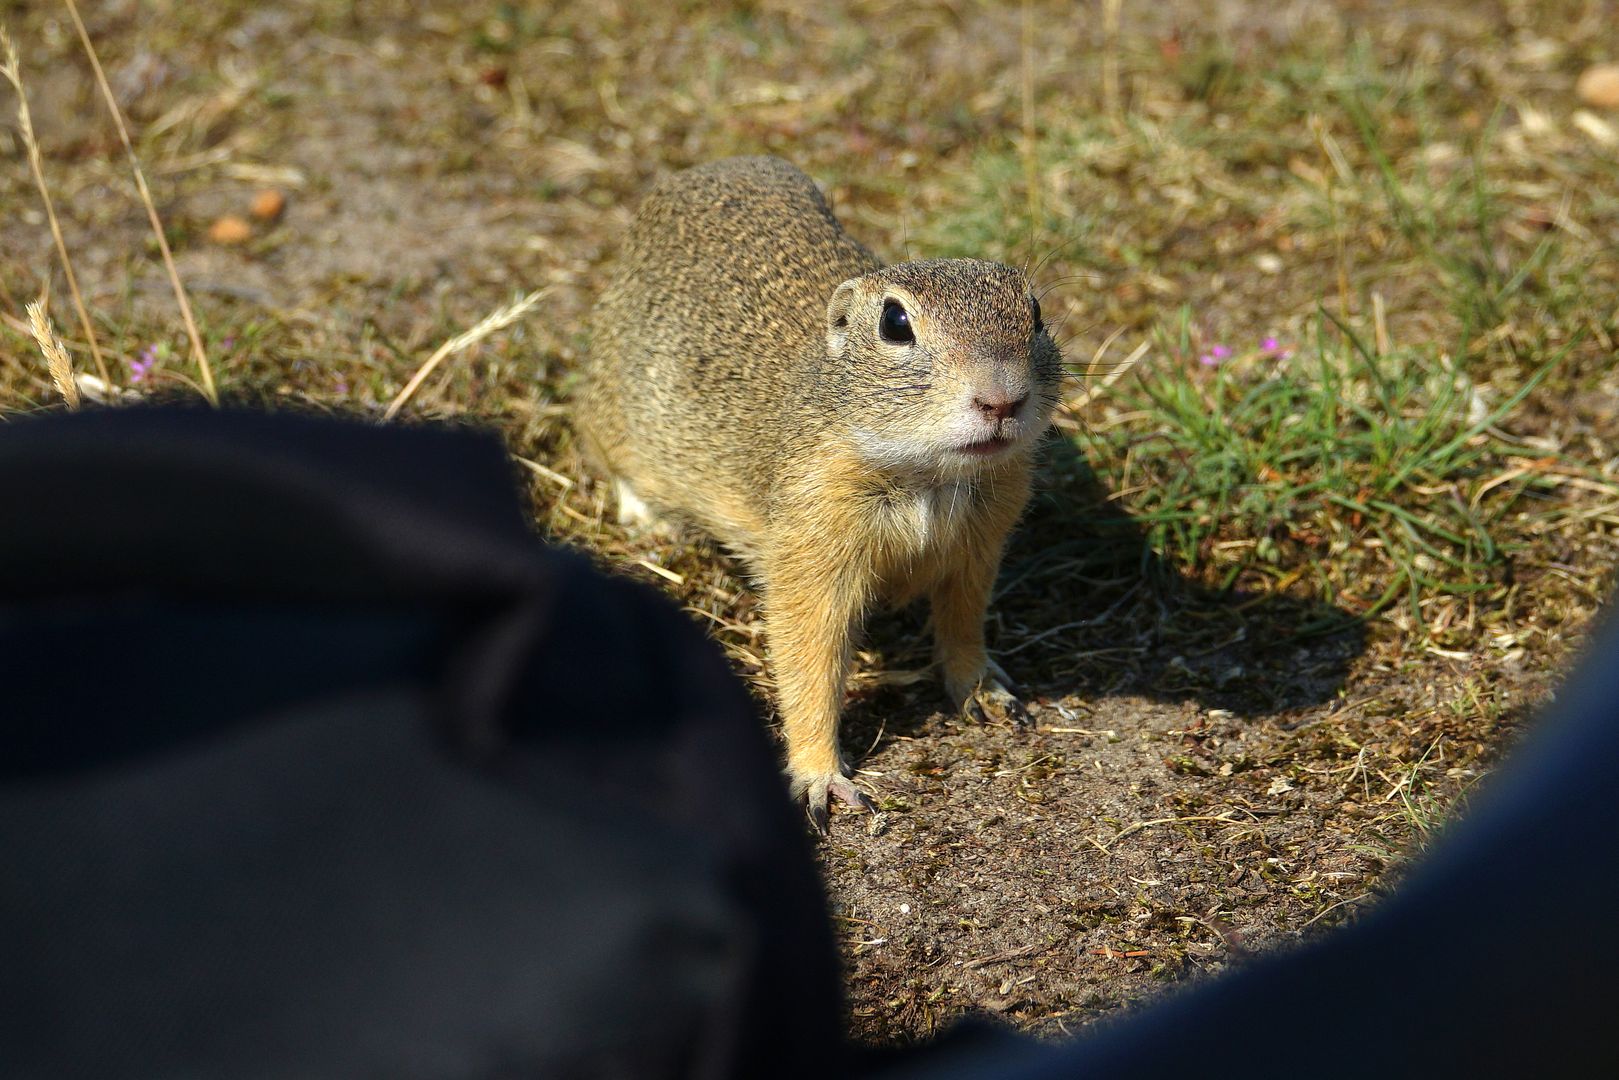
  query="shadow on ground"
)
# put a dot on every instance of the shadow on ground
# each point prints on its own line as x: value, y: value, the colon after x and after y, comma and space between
x: 1086, y: 607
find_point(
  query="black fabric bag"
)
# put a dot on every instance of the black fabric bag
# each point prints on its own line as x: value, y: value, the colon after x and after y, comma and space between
x: 314, y: 762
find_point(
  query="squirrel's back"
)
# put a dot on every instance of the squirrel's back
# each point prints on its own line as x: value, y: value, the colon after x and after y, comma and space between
x: 704, y: 342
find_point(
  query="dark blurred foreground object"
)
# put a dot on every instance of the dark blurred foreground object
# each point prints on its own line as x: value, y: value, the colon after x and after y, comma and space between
x: 314, y: 762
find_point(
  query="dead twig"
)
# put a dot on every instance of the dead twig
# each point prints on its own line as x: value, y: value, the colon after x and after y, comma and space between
x: 537, y: 469
x: 1117, y: 954
x: 1003, y: 957
x: 1331, y: 908
x: 1131, y: 830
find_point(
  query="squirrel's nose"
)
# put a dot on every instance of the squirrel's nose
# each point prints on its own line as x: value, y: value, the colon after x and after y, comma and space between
x: 998, y: 406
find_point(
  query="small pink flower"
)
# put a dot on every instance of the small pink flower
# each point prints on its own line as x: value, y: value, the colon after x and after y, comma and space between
x: 1219, y: 352
x: 141, y: 366
x: 1272, y: 347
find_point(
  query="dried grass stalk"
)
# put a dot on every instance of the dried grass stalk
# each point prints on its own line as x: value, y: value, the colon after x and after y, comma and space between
x: 197, y: 351
x: 1094, y: 389
x: 12, y: 70
x: 496, y: 320
x: 56, y: 358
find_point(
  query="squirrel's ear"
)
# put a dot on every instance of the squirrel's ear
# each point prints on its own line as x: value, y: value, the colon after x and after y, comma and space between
x: 837, y: 314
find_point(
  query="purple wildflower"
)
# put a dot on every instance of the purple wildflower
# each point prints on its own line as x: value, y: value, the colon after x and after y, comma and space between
x: 1219, y: 352
x: 141, y: 366
x: 1272, y: 347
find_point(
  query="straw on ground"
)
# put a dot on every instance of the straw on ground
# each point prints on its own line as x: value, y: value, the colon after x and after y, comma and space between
x: 495, y: 320
x: 198, y: 353
x: 12, y: 71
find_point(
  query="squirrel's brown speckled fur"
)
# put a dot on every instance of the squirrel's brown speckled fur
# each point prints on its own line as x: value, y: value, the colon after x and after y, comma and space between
x: 740, y: 378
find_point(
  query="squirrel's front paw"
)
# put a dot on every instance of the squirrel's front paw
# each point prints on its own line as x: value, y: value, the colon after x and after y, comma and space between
x: 815, y: 791
x: 990, y: 699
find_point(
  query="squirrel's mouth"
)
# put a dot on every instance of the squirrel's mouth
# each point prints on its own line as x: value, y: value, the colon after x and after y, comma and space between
x: 987, y: 447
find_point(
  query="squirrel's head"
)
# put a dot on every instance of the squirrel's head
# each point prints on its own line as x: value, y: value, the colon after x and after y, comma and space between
x: 947, y: 364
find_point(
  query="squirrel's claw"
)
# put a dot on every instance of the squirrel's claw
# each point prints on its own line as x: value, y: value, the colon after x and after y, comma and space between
x: 817, y: 791
x: 990, y: 702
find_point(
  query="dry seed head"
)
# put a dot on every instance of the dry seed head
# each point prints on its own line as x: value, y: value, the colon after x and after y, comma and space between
x: 56, y: 357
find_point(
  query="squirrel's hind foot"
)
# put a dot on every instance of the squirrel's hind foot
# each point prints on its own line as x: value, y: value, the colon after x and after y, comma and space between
x: 994, y: 700
x: 635, y: 515
x: 633, y: 512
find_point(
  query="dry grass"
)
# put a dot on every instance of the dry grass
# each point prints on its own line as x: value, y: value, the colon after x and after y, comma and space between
x: 495, y: 321
x: 55, y: 353
x: 1278, y: 609
x: 12, y: 71
x: 198, y: 352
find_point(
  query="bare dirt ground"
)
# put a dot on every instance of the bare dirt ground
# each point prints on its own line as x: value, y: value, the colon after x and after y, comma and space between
x: 1251, y: 710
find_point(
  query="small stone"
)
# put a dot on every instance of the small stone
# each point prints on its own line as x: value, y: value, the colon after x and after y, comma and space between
x: 268, y: 204
x: 1598, y: 86
x: 230, y: 229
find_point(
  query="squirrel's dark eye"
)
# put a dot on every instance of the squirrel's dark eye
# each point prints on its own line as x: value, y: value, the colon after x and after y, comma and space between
x: 895, y: 324
x: 1039, y: 324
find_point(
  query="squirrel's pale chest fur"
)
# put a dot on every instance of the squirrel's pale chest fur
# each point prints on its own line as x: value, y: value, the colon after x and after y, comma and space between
x: 856, y: 433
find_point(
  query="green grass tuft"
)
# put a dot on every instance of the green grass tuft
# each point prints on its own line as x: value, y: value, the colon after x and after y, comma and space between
x: 1371, y: 478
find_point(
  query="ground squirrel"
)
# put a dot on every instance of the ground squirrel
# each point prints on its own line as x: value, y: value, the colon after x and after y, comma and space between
x: 856, y: 433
